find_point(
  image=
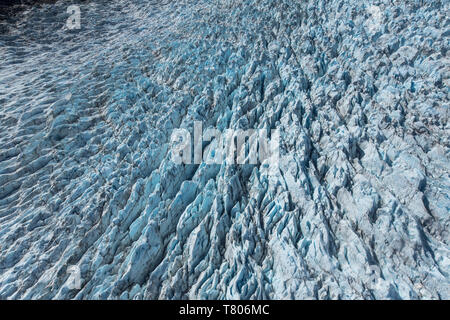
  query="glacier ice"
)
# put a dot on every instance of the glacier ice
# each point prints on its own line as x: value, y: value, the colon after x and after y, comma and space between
x: 357, y: 209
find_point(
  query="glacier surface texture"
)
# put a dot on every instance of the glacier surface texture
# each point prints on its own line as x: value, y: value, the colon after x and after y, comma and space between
x: 358, y: 207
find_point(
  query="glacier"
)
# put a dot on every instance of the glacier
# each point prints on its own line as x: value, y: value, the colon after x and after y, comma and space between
x: 357, y: 209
